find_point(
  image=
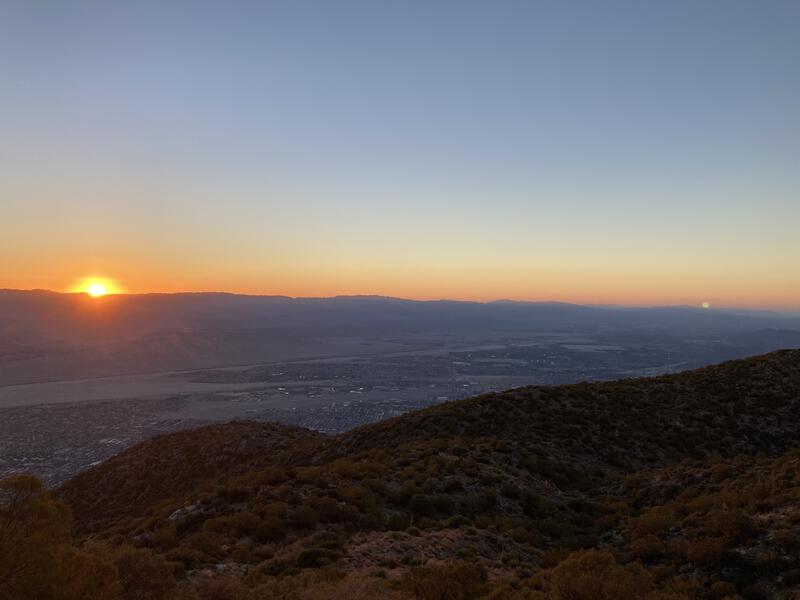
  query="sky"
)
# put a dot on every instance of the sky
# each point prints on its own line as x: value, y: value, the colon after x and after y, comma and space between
x: 640, y: 153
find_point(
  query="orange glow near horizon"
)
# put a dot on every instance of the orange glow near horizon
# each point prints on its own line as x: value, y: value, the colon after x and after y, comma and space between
x: 628, y: 285
x: 483, y: 163
x: 480, y: 284
x: 96, y: 287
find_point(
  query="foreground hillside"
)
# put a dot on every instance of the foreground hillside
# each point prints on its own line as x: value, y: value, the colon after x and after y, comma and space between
x: 681, y: 486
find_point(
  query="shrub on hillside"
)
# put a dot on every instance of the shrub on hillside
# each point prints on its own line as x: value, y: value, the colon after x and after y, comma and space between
x: 38, y: 558
x: 459, y: 581
x: 593, y: 575
x: 705, y: 551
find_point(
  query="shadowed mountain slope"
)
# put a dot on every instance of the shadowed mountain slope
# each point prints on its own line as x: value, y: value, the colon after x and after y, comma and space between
x: 740, y: 406
x: 509, y: 483
x: 167, y: 466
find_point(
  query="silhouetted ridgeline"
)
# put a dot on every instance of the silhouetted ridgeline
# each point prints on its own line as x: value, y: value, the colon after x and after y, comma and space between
x: 681, y: 486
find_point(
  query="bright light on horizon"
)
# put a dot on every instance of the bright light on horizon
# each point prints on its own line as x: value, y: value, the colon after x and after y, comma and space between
x: 96, y: 287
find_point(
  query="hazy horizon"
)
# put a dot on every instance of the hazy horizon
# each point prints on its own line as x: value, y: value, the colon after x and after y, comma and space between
x: 701, y: 305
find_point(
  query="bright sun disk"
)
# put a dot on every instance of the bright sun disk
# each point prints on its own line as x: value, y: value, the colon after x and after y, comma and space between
x: 97, y: 289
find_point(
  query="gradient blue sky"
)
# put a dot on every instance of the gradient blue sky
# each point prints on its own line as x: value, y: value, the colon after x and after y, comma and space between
x: 631, y: 152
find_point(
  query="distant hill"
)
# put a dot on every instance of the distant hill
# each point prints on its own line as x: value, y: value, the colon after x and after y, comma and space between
x: 48, y: 336
x: 680, y: 486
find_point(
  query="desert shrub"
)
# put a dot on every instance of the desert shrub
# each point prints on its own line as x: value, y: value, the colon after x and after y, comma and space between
x: 328, y: 510
x: 705, y: 551
x: 536, y: 506
x: 360, y: 497
x: 29, y: 518
x: 247, y: 524
x: 551, y: 558
x: 594, y: 575
x: 308, y: 474
x: 521, y: 534
x: 188, y: 557
x: 270, y: 476
x: 143, y: 575
x: 269, y: 529
x: 163, y: 538
x: 647, y: 548
x: 378, y: 486
x: 232, y: 494
x: 444, y: 504
x: 325, y: 584
x: 477, y: 503
x: 722, y: 589
x: 304, y: 517
x: 652, y: 522
x: 87, y: 572
x: 459, y: 581
x: 243, y: 552
x: 791, y: 577
x: 271, y: 509
x: 457, y: 521
x: 423, y: 504
x: 311, y: 558
x: 38, y: 558
x: 217, y: 588
x: 398, y: 522
x: 236, y: 524
x: 453, y: 484
x: 731, y: 524
x: 555, y: 528
x: 789, y: 539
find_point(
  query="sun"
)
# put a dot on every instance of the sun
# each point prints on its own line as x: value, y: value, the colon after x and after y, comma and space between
x: 96, y: 287
x: 96, y: 290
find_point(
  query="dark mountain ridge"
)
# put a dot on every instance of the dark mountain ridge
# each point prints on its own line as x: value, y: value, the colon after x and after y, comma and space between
x: 60, y: 315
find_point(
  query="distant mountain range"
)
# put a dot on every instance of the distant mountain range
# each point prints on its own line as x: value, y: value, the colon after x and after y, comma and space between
x: 52, y: 336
